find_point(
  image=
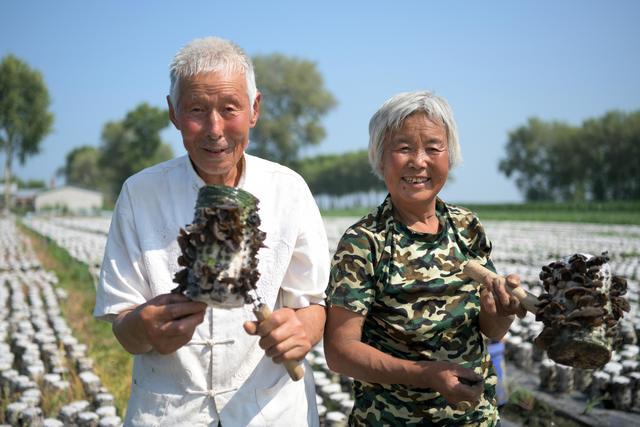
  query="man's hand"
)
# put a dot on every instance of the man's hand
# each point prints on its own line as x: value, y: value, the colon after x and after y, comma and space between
x: 164, y: 324
x: 283, y: 336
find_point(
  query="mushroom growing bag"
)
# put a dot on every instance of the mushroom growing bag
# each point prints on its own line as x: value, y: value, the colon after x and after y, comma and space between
x: 580, y: 310
x: 220, y: 247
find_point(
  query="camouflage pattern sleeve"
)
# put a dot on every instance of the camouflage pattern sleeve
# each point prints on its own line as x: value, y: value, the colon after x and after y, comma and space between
x: 479, y: 243
x: 417, y: 306
x: 352, y: 281
x: 472, y: 235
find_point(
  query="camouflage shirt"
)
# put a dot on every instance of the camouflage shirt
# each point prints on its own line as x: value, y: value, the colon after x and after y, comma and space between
x: 417, y: 306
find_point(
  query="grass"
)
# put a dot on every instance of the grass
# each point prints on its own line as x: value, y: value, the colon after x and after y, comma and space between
x: 601, y: 213
x: 592, y: 402
x: 52, y: 401
x: 627, y: 213
x: 5, y: 400
x: 524, y: 408
x: 110, y: 362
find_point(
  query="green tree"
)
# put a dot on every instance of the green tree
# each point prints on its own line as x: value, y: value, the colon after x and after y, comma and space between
x: 339, y: 174
x: 527, y: 159
x: 24, y: 114
x: 597, y: 161
x: 31, y: 183
x: 546, y: 162
x: 81, y: 168
x: 294, y: 100
x: 566, y: 177
x: 612, y: 148
x: 132, y: 144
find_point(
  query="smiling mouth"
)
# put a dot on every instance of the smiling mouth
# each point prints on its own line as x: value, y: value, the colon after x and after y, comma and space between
x: 215, y: 150
x: 416, y: 179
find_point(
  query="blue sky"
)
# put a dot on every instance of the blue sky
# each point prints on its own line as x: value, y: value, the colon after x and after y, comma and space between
x: 497, y: 63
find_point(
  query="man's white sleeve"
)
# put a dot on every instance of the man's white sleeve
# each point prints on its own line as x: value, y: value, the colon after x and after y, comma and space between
x: 306, y: 278
x: 123, y: 282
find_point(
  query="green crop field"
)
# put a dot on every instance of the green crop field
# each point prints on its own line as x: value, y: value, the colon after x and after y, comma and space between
x: 601, y: 213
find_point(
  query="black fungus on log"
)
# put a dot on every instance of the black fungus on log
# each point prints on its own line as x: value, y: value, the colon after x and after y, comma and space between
x: 220, y: 247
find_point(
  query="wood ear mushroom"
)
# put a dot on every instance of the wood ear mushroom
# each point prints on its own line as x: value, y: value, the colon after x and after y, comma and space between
x: 580, y: 308
x: 219, y: 254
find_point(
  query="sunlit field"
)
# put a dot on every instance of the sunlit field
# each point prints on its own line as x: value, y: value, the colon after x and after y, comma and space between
x: 48, y: 266
x: 598, y: 213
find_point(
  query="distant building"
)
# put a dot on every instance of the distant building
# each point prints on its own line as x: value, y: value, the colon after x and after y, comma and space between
x: 22, y: 198
x: 12, y: 189
x: 25, y: 199
x: 69, y: 199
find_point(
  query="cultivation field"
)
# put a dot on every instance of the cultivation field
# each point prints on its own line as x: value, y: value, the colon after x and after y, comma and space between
x: 523, y: 247
x: 46, y: 377
x: 519, y: 247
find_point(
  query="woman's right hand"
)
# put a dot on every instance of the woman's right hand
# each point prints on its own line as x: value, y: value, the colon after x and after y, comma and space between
x: 348, y: 355
x: 454, y: 382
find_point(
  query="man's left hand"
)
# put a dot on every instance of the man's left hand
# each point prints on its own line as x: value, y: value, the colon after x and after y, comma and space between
x: 282, y: 336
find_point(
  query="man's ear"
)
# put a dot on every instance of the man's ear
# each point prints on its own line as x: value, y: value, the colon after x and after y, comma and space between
x: 256, y: 110
x: 172, y: 113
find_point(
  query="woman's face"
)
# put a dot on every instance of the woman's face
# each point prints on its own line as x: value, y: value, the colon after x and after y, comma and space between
x: 415, y: 162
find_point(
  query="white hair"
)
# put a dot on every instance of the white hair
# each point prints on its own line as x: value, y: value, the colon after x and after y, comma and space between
x: 396, y: 109
x: 206, y: 55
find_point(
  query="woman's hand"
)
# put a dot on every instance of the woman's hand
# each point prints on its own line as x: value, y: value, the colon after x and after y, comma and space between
x: 496, y: 300
x: 348, y: 355
x: 454, y: 382
x: 498, y: 306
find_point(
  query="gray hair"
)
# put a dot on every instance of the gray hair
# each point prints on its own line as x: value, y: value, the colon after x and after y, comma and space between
x: 206, y: 55
x: 396, y: 109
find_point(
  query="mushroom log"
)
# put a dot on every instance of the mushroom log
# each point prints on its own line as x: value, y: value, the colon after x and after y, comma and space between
x: 580, y: 308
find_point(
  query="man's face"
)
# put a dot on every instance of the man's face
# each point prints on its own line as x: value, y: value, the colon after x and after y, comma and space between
x: 214, y: 118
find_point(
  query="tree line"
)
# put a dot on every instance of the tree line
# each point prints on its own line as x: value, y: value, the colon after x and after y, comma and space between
x: 338, y: 174
x: 549, y: 161
x: 596, y: 161
x: 127, y: 146
x: 294, y: 100
x: 25, y: 118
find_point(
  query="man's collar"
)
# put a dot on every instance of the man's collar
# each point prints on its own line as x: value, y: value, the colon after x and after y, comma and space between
x: 196, y: 180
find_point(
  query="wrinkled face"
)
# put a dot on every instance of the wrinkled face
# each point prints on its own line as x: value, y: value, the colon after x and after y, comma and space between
x: 214, y: 118
x: 415, y: 162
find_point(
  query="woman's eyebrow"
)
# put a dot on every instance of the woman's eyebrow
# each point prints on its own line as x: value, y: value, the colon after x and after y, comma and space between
x: 436, y: 141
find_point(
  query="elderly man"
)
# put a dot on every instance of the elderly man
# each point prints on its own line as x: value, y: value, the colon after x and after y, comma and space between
x: 194, y: 364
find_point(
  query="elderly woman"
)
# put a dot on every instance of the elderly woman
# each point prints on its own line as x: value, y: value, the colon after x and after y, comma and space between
x: 403, y: 320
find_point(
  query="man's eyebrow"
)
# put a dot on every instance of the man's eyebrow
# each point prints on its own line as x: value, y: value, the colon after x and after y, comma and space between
x: 196, y: 97
x: 231, y: 97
